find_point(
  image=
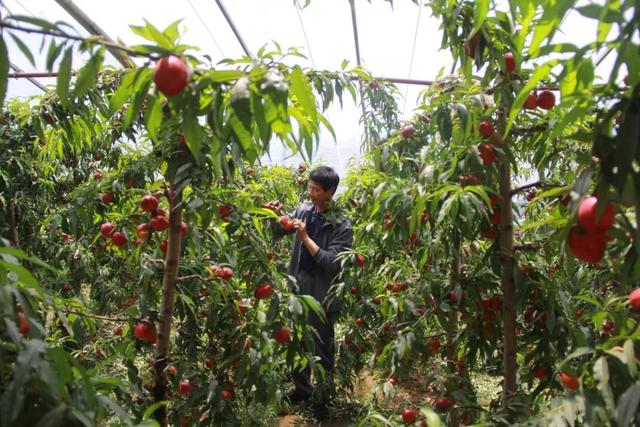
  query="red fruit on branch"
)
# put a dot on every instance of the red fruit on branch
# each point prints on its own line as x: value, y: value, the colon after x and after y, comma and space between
x: 607, y: 326
x: 171, y: 75
x: 106, y: 229
x: 66, y: 287
x: 208, y: 363
x: 226, y: 394
x: 164, y: 246
x: 634, y: 299
x: 409, y: 415
x: 183, y: 229
x: 486, y: 128
x: 225, y: 211
x: 579, y: 313
x: 443, y: 403
x: 286, y: 223
x: 509, y: 62
x: 184, y: 387
x: 546, y: 100
x: 264, y: 290
x: 587, y: 215
x: 407, y: 131
x: 142, y: 230
x: 360, y: 260
x: 541, y: 372
x: 145, y: 331
x: 354, y: 290
x: 149, y: 203
x: 23, y: 324
x: 496, y: 217
x: 97, y: 175
x: 433, y: 345
x: 487, y: 154
x: 158, y: 212
x: 570, y: 382
x: 360, y: 321
x: 159, y: 223
x: 531, y: 103
x: 586, y: 246
x: 119, y: 239
x: 471, y: 45
x: 454, y: 297
x: 283, y: 336
x: 225, y: 273
x: 376, y: 300
x: 106, y: 198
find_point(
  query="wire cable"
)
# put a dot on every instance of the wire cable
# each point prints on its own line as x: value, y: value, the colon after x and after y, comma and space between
x: 206, y: 27
x: 304, y: 32
x: 413, y: 51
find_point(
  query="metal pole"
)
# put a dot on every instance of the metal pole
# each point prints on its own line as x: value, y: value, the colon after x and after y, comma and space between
x: 28, y: 77
x: 93, y: 28
x: 234, y: 29
x: 355, y: 30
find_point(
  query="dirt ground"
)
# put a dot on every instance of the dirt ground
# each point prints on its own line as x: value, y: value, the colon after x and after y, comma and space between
x: 412, y: 390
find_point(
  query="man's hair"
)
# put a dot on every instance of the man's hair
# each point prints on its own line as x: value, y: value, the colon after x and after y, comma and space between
x: 326, y: 177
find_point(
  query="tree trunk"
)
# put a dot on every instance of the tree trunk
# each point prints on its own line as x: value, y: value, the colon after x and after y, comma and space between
x: 508, y: 289
x: 166, y: 309
x: 13, y: 232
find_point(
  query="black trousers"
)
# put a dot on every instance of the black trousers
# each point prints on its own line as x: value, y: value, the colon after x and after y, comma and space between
x: 325, y: 350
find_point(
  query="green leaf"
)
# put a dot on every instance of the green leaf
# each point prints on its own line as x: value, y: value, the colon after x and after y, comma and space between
x: 628, y: 405
x: 550, y: 21
x: 480, y: 13
x: 223, y: 76
x: 25, y: 49
x: 601, y: 374
x: 64, y: 77
x: 88, y: 74
x: 301, y: 90
x: 125, y: 90
x: 314, y: 305
x: 153, y: 117
x: 21, y: 255
x: 53, y: 53
x: 193, y: 132
x: 4, y: 70
x: 630, y: 358
x: 151, y: 33
x: 540, y: 73
x: 151, y: 409
x: 432, y: 419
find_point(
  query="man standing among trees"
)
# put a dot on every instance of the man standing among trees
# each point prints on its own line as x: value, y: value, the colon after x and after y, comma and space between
x: 322, y: 232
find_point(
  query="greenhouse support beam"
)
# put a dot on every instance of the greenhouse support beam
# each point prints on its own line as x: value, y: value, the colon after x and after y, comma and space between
x: 354, y: 21
x: 93, y: 29
x: 28, y: 77
x: 234, y: 29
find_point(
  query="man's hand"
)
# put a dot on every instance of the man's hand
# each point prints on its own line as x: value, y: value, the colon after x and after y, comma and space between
x: 301, y: 229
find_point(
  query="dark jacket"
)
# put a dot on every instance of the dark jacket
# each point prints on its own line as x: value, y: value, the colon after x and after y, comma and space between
x: 334, y: 237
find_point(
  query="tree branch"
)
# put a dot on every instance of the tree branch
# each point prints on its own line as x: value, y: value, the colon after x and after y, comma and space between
x: 537, y: 184
x: 95, y: 316
x: 93, y: 39
x: 526, y: 247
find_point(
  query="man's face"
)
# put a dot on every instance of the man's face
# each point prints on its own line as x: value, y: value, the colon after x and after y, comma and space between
x: 318, y: 196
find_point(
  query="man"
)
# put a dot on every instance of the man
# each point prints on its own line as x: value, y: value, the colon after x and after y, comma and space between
x: 322, y: 232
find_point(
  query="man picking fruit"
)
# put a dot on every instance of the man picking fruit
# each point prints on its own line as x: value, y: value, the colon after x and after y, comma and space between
x: 321, y: 233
